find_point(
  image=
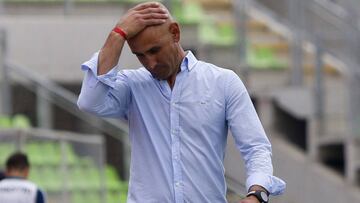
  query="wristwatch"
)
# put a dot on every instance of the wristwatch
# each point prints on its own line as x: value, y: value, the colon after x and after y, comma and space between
x: 262, y: 196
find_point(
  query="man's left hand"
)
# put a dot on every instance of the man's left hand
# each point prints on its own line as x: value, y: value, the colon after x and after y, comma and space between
x: 250, y: 199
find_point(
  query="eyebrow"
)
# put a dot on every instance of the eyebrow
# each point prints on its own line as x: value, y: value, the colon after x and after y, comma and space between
x: 149, y: 50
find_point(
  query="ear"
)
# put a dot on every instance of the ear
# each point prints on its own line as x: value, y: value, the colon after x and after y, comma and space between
x: 26, y: 173
x: 174, y: 29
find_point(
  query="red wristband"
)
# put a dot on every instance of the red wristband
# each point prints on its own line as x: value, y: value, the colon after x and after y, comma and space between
x: 120, y: 32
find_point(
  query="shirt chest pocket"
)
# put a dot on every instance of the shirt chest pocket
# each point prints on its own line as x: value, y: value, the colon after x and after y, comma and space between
x: 202, y: 109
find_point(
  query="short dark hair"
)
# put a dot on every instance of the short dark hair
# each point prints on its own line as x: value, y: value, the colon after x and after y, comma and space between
x: 17, y: 161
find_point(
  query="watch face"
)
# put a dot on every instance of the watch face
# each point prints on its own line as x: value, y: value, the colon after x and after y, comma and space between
x: 264, y: 196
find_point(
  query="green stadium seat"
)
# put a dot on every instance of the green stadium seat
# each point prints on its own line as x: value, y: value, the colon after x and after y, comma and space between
x: 86, y: 162
x: 6, y: 148
x: 5, y: 122
x: 92, y: 197
x: 52, y: 179
x: 189, y: 12
x: 227, y: 33
x: 78, y: 197
x: 36, y: 175
x: 123, y: 197
x: 218, y: 34
x: 71, y: 157
x: 112, y: 179
x: 77, y: 179
x: 93, y: 178
x: 264, y: 58
x: 52, y: 154
x: 21, y: 121
x: 113, y: 197
x: 35, y: 152
x: 18, y: 121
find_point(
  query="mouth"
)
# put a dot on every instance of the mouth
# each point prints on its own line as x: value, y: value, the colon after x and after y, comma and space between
x: 158, y: 72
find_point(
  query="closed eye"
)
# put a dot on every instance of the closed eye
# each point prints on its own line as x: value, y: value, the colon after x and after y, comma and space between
x: 154, y: 50
x: 138, y: 54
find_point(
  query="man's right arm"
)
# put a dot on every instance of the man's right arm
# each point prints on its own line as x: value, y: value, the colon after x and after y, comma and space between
x: 104, y: 92
x: 134, y: 21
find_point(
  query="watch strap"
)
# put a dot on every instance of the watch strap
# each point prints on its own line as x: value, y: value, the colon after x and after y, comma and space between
x: 262, y: 196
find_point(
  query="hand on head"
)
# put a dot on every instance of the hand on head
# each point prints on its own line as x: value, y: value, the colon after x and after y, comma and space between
x: 141, y: 16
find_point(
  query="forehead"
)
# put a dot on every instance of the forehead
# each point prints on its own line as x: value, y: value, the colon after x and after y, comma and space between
x: 149, y: 37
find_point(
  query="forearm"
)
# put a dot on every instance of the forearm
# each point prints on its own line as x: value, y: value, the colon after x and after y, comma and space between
x: 93, y: 93
x: 133, y: 22
x: 110, y: 53
x: 250, y: 138
x: 257, y: 187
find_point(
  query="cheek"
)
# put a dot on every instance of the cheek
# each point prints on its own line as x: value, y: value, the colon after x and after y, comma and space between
x: 142, y: 61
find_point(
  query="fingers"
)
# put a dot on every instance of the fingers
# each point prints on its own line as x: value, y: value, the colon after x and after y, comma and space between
x: 152, y: 21
x: 143, y: 15
x: 153, y: 10
x: 158, y: 16
x: 147, y: 5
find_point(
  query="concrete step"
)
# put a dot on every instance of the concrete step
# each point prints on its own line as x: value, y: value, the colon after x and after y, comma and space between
x: 216, y: 4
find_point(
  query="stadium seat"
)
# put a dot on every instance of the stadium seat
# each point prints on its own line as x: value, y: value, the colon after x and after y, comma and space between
x: 93, y: 178
x: 218, y: 34
x: 52, y: 154
x: 188, y: 12
x: 113, y: 197
x: 78, y: 197
x: 34, y: 149
x: 77, y: 179
x: 6, y: 148
x: 112, y: 179
x: 264, y: 58
x: 21, y: 121
x: 52, y: 179
x: 92, y: 197
x: 5, y: 122
x: 71, y: 157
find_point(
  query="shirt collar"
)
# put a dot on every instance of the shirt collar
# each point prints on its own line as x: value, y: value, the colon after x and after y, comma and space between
x: 189, y: 61
x: 14, y: 177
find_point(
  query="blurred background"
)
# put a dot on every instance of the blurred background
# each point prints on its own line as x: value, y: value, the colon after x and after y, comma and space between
x: 298, y: 58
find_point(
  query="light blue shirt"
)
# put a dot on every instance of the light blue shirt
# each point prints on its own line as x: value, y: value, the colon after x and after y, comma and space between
x: 178, y: 136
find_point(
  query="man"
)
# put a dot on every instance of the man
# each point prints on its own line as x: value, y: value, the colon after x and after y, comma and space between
x: 15, y: 188
x: 179, y: 110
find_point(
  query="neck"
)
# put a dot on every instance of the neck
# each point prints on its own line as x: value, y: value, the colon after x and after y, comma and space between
x: 18, y: 173
x: 181, y: 55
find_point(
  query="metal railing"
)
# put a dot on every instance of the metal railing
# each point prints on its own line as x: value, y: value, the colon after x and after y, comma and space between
x: 48, y: 92
x: 333, y: 33
x: 18, y: 140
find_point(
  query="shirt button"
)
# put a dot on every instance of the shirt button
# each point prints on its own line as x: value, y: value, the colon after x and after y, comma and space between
x: 176, y: 158
x: 177, y: 184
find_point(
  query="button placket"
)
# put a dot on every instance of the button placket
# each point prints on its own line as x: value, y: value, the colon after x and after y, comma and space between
x: 175, y: 137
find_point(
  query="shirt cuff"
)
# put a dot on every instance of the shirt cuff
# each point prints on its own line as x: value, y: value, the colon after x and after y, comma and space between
x: 91, y: 67
x: 274, y: 185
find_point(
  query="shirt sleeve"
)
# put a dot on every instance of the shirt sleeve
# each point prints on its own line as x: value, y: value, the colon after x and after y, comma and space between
x: 250, y: 137
x: 40, y: 197
x: 107, y: 95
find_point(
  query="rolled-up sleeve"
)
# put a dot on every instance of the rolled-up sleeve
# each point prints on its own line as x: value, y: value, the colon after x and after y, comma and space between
x: 250, y: 137
x: 107, y: 95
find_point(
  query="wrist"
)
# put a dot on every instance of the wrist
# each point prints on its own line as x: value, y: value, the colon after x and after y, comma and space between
x: 118, y: 30
x: 260, y: 195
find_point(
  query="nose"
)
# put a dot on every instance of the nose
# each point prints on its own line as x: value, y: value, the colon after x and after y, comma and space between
x: 151, y: 62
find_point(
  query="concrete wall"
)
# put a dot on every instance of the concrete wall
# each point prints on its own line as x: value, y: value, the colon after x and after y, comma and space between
x: 55, y: 46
